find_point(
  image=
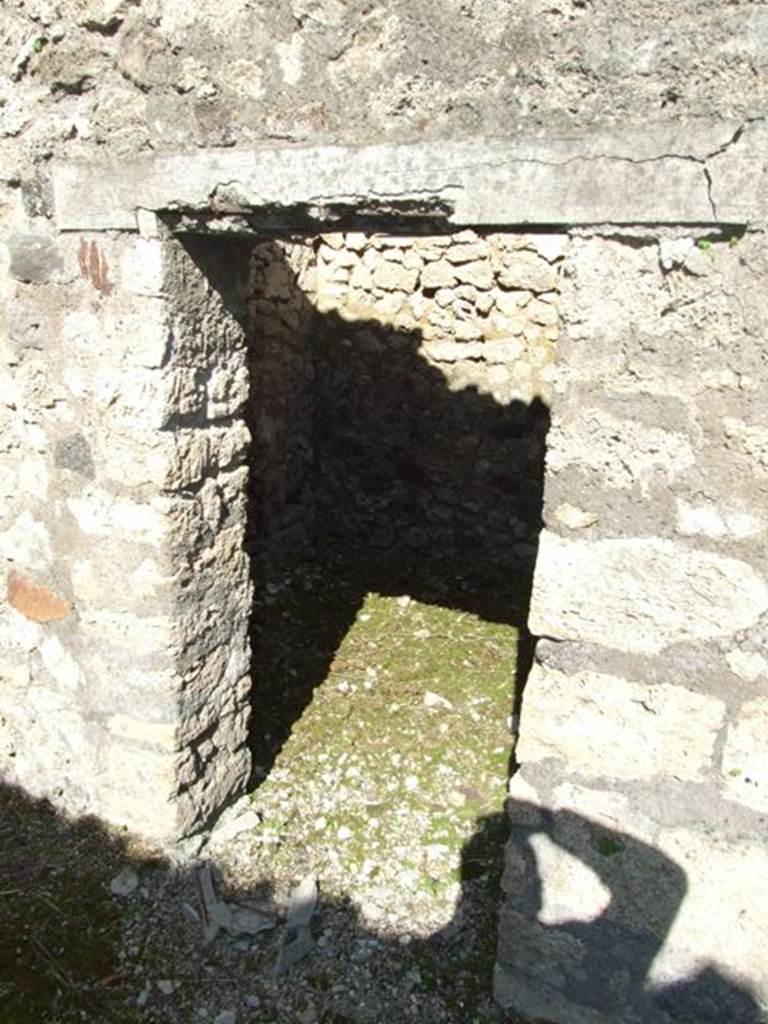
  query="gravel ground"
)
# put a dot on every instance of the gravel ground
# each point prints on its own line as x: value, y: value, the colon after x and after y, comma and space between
x: 380, y: 799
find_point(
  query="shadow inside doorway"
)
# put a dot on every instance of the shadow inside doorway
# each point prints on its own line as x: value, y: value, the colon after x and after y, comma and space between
x: 369, y: 471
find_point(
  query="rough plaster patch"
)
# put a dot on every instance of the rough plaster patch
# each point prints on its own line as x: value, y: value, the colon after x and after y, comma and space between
x: 640, y: 595
x: 60, y: 663
x: 586, y: 720
x: 99, y: 514
x: 745, y: 757
x: 27, y: 543
x: 747, y: 665
x: 290, y: 57
x: 624, y: 452
x: 710, y: 520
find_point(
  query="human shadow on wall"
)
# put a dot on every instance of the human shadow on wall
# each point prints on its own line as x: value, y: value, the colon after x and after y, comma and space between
x: 396, y: 484
x: 602, y: 964
x: 71, y: 949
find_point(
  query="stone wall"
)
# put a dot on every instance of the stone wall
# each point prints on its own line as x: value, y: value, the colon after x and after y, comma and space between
x: 77, y: 517
x: 125, y: 76
x: 121, y: 446
x: 400, y: 392
x: 636, y: 876
x: 281, y: 404
x: 125, y: 494
x: 435, y: 357
x: 122, y: 514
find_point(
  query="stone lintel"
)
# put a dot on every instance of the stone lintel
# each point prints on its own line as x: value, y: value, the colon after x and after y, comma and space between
x: 666, y: 173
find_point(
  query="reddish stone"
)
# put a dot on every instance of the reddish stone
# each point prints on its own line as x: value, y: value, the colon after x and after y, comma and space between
x: 34, y: 601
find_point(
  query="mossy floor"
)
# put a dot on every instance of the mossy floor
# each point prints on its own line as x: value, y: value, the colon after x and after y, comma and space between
x: 404, y: 748
x: 384, y: 755
x: 389, y: 787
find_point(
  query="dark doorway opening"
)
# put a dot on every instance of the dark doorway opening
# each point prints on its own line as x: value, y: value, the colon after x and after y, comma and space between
x: 373, y: 469
x: 396, y: 458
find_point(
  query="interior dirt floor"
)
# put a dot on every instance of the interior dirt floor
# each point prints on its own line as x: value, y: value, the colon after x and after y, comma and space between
x: 378, y: 795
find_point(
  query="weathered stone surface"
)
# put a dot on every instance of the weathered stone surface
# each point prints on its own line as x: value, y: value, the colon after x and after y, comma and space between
x: 708, y: 519
x: 587, y: 721
x: 146, y: 359
x: 573, y: 517
x: 606, y: 917
x: 61, y: 664
x: 654, y: 439
x: 157, y: 735
x: 477, y: 273
x: 745, y: 756
x: 750, y: 665
x: 393, y: 276
x: 641, y: 595
x: 100, y: 514
x: 622, y: 451
x: 34, y: 601
x: 27, y: 542
x: 594, y: 178
x: 529, y: 272
x: 142, y: 271
x: 35, y: 259
x: 439, y: 274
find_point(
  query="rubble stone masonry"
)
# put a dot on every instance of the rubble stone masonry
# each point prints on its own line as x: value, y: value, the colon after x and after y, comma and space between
x: 234, y: 239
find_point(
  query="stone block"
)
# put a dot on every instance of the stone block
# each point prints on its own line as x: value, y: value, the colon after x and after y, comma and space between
x: 526, y: 270
x: 34, y: 601
x: 573, y: 517
x: 621, y: 451
x: 137, y: 789
x: 711, y: 519
x: 721, y: 925
x: 439, y: 274
x: 640, y: 594
x: 467, y: 252
x: 99, y: 513
x: 60, y: 663
x: 478, y: 274
x: 27, y: 543
x: 393, y: 276
x: 160, y: 735
x: 749, y: 665
x: 74, y: 453
x: 604, y: 725
x: 552, y: 247
x: 34, y: 259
